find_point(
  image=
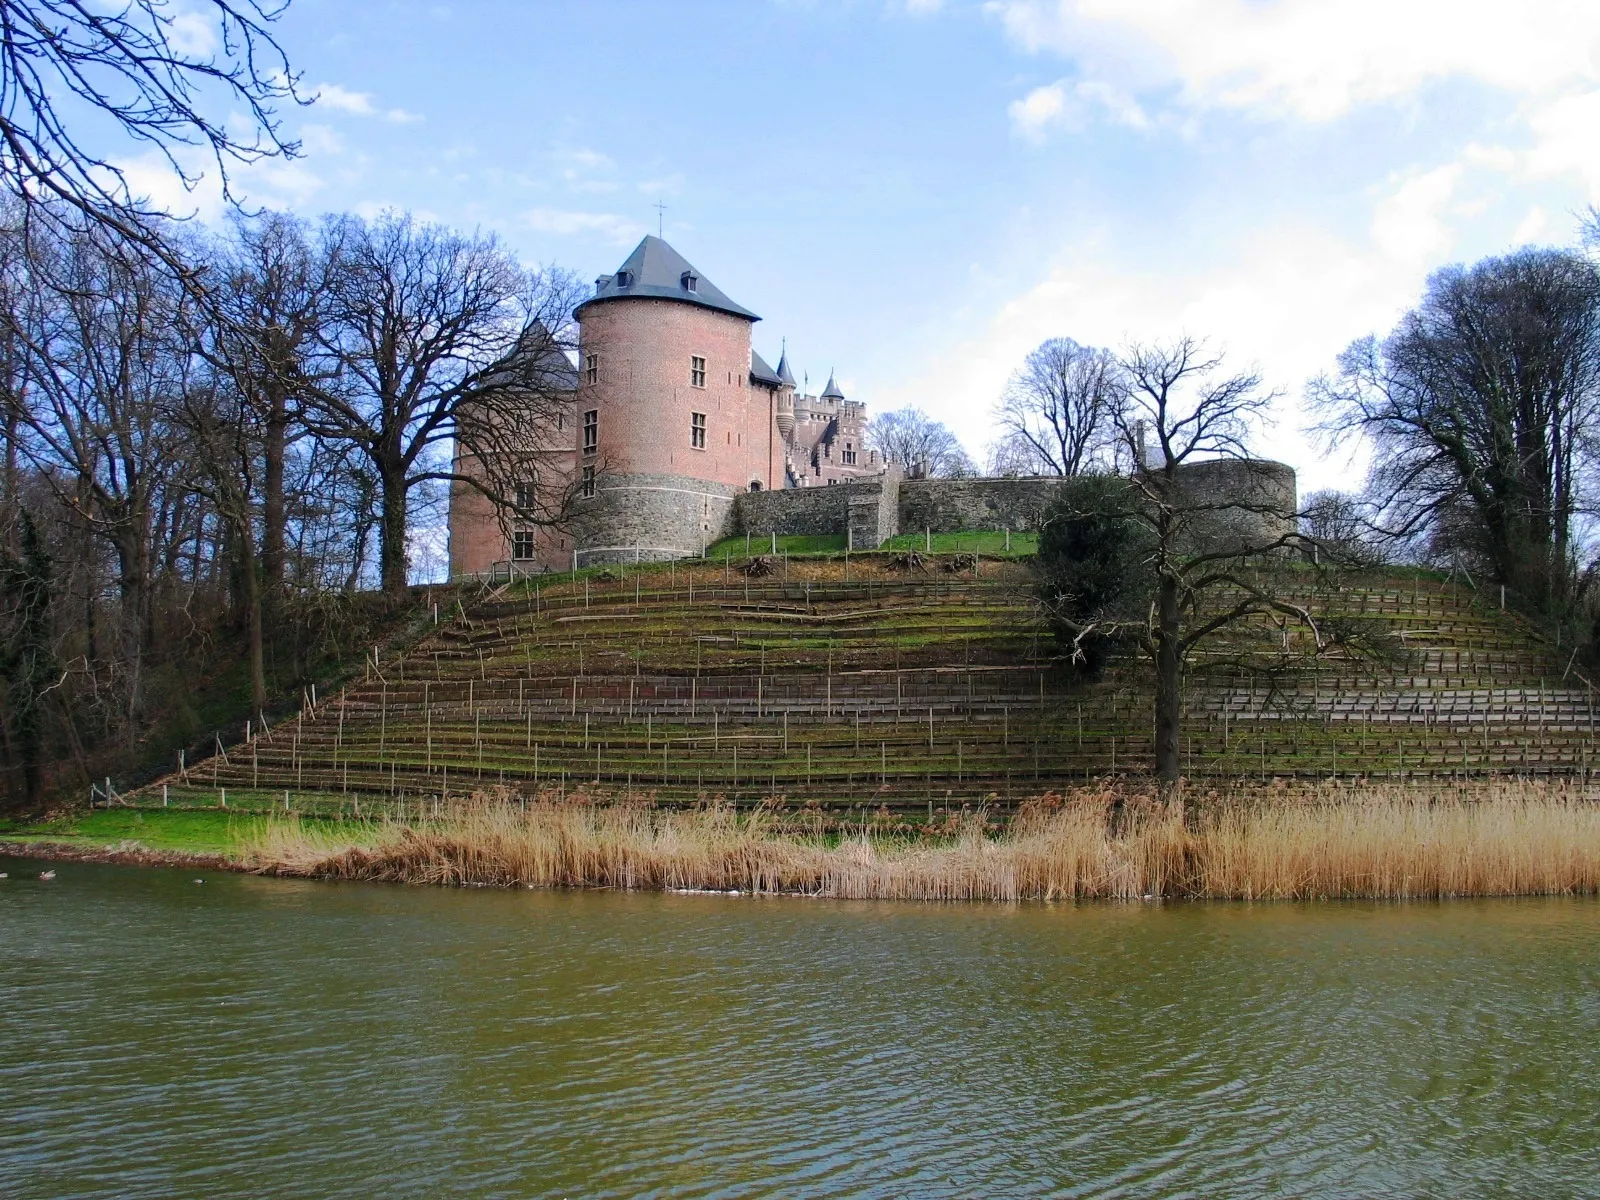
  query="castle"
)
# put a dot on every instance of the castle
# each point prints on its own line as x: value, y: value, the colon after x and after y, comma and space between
x: 673, y: 433
x: 673, y: 415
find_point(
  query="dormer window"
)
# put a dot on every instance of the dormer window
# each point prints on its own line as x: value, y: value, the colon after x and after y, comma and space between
x: 624, y: 279
x: 690, y: 281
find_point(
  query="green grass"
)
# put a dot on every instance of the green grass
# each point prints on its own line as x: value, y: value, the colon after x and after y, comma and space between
x: 987, y: 541
x: 182, y: 831
x: 165, y: 830
x: 788, y: 543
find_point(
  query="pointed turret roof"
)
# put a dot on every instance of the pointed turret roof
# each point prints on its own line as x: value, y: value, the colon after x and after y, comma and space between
x: 655, y: 271
x: 785, y: 376
x: 832, y: 392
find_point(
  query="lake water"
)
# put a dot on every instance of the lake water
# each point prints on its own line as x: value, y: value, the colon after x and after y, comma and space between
x: 259, y: 1037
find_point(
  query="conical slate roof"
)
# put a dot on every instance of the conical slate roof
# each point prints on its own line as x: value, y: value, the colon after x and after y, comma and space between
x: 656, y: 271
x: 785, y: 376
x: 832, y: 392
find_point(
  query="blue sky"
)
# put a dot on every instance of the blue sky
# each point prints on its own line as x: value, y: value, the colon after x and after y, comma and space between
x: 915, y: 192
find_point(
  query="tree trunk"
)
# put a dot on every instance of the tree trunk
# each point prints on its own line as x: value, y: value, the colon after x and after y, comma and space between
x: 1169, y: 683
x: 251, y: 582
x: 392, y: 527
x: 133, y: 593
x: 274, y: 518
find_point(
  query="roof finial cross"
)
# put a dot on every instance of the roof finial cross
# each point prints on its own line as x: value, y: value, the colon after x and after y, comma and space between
x: 660, y: 216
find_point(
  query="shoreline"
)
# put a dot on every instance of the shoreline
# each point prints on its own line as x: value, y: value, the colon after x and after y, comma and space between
x: 1333, y: 841
x: 122, y: 856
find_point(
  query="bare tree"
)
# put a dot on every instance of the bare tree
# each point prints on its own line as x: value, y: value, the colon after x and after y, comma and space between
x: 1062, y: 406
x: 912, y: 439
x: 1203, y: 527
x: 67, y: 65
x: 226, y: 435
x: 266, y: 289
x: 1013, y: 456
x: 434, y: 338
x: 1481, y: 409
x: 105, y: 337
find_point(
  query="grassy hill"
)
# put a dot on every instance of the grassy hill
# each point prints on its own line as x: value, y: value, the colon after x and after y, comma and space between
x: 875, y: 683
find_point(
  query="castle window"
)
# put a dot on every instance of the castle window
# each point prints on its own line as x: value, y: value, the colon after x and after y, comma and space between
x: 522, y: 544
x: 525, y: 494
x: 591, y: 367
x: 588, y: 483
x: 697, y: 371
x: 624, y: 279
x: 690, y: 281
x: 591, y: 431
x: 849, y: 456
x: 697, y: 430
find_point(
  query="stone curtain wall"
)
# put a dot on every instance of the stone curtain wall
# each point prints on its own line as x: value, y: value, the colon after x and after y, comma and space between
x: 957, y: 505
x: 811, y: 510
x: 1255, y: 501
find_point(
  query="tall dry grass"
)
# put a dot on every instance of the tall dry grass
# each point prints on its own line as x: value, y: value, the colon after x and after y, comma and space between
x: 1501, y: 839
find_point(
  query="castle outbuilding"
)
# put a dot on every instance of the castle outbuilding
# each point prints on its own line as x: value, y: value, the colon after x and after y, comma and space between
x: 673, y: 415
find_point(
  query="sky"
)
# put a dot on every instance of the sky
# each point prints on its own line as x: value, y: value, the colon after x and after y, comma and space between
x: 914, y: 193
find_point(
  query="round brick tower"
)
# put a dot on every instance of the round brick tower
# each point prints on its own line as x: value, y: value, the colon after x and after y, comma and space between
x: 669, y: 426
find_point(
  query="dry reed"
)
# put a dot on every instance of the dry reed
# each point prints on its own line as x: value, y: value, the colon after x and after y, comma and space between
x: 1328, y: 841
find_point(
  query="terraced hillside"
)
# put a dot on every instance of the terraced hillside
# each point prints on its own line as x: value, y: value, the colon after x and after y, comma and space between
x: 861, y: 684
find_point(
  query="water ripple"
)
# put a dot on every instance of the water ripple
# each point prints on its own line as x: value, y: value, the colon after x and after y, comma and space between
x: 271, y: 1037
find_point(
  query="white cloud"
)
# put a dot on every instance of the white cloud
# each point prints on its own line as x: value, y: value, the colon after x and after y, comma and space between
x: 331, y: 95
x: 192, y: 34
x: 590, y: 160
x: 567, y: 222
x: 320, y: 139
x: 1068, y: 104
x: 1310, y: 58
x: 150, y: 178
x: 1315, y: 61
x: 358, y: 104
x: 667, y: 185
x: 1533, y: 228
x: 1039, y: 110
x: 270, y: 182
x: 1409, y: 225
x: 1565, y: 139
